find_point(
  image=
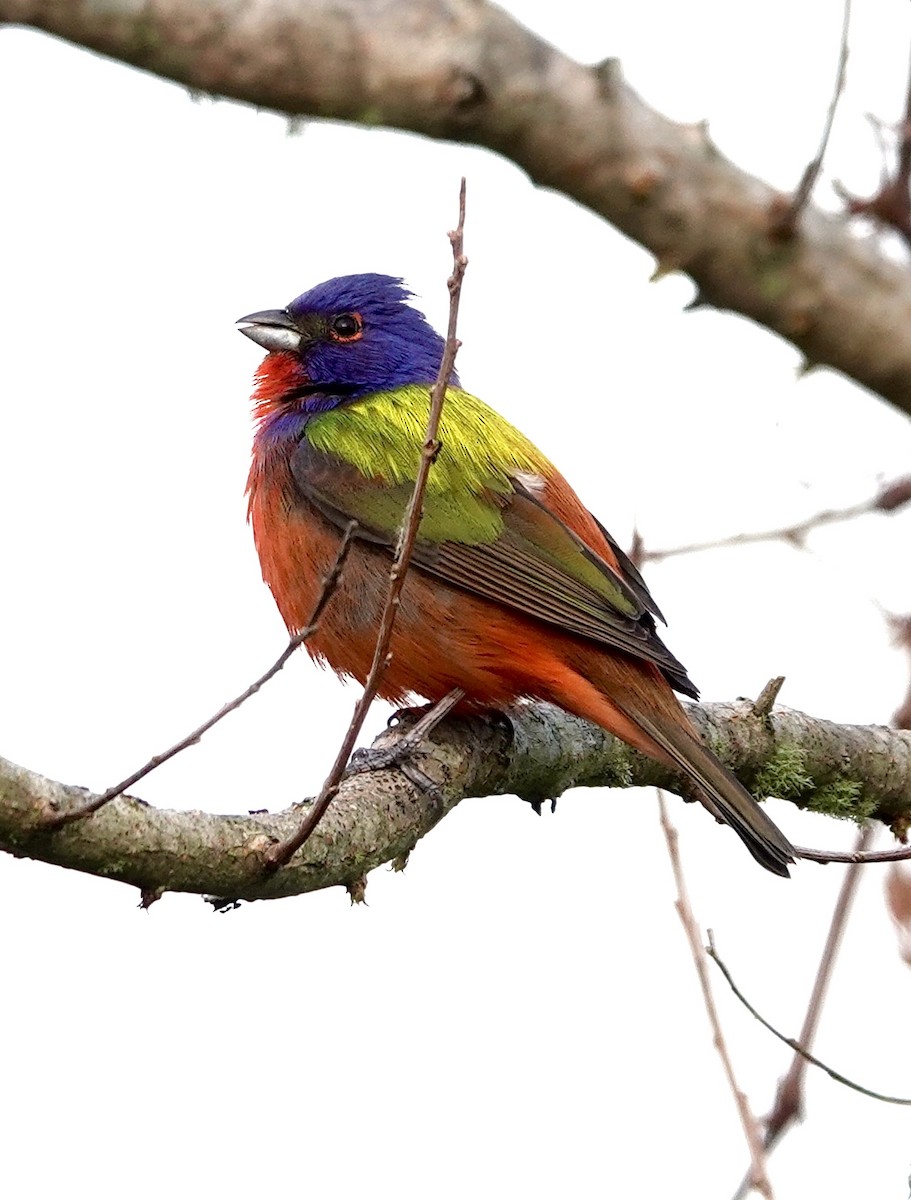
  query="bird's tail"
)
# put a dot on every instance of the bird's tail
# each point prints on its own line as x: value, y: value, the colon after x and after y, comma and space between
x: 721, y: 792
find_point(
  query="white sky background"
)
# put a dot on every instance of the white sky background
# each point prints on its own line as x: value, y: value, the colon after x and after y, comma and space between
x: 517, y: 1013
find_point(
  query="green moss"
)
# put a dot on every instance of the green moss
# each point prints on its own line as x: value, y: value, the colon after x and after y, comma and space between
x: 619, y: 767
x: 110, y: 869
x: 842, y: 798
x: 785, y: 774
x: 716, y: 743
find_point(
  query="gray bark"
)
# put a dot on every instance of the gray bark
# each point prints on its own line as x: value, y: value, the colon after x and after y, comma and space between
x: 464, y: 70
x: 848, y: 771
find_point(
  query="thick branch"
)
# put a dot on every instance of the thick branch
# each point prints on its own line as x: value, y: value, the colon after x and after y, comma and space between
x: 845, y: 770
x: 463, y: 69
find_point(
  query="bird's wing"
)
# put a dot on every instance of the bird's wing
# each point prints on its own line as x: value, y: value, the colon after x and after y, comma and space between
x: 512, y: 543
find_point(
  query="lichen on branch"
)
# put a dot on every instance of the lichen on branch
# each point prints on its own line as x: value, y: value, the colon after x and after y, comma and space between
x: 538, y: 753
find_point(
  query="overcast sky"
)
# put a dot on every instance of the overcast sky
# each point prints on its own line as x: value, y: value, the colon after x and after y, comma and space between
x: 517, y: 1013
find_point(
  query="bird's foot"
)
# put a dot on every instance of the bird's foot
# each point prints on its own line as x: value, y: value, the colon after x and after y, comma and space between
x: 408, y: 712
x: 393, y: 756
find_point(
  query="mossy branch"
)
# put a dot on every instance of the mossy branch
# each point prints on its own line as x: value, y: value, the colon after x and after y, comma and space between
x: 859, y: 772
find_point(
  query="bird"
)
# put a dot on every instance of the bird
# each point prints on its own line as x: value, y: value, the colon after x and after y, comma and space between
x: 515, y: 590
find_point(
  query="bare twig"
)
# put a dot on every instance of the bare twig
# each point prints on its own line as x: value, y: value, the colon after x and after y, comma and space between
x: 898, y: 901
x: 636, y: 550
x: 758, y: 1176
x: 792, y: 1042
x: 891, y: 205
x: 788, y: 1106
x: 854, y: 857
x: 282, y: 852
x: 765, y: 701
x: 890, y: 498
x: 330, y: 583
x: 786, y: 215
x: 901, y: 632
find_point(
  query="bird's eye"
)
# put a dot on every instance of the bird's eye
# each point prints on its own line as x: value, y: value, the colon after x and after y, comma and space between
x: 347, y: 327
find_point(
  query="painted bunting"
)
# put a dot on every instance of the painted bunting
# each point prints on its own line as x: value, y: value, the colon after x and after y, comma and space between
x: 515, y: 589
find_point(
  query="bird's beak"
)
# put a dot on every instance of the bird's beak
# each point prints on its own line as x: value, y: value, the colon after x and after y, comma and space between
x: 273, y: 329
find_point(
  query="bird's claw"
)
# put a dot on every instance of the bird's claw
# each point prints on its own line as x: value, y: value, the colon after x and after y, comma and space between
x: 408, y: 713
x: 379, y: 758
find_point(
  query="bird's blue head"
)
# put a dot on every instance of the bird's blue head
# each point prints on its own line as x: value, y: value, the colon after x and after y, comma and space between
x: 345, y: 338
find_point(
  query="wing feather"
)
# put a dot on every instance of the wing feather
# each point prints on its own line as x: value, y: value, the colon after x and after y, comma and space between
x: 521, y: 555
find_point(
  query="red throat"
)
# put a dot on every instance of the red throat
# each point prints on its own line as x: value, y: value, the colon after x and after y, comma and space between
x: 275, y: 376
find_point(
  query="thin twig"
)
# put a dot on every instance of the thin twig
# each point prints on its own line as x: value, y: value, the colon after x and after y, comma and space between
x: 330, y: 583
x: 792, y: 1042
x: 854, y: 857
x: 904, y: 145
x: 788, y: 1105
x: 879, y: 127
x: 891, y: 204
x: 765, y: 701
x: 890, y: 498
x: 901, y: 632
x: 758, y: 1177
x: 784, y: 222
x: 282, y: 852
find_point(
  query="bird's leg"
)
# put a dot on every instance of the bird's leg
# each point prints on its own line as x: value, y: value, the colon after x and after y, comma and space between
x: 393, y: 756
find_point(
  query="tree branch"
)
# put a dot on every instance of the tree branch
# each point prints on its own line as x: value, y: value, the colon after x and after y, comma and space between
x: 786, y: 223
x: 793, y: 1042
x: 852, y: 771
x: 890, y: 207
x: 758, y: 1174
x: 892, y: 497
x: 787, y: 1108
x: 464, y: 70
